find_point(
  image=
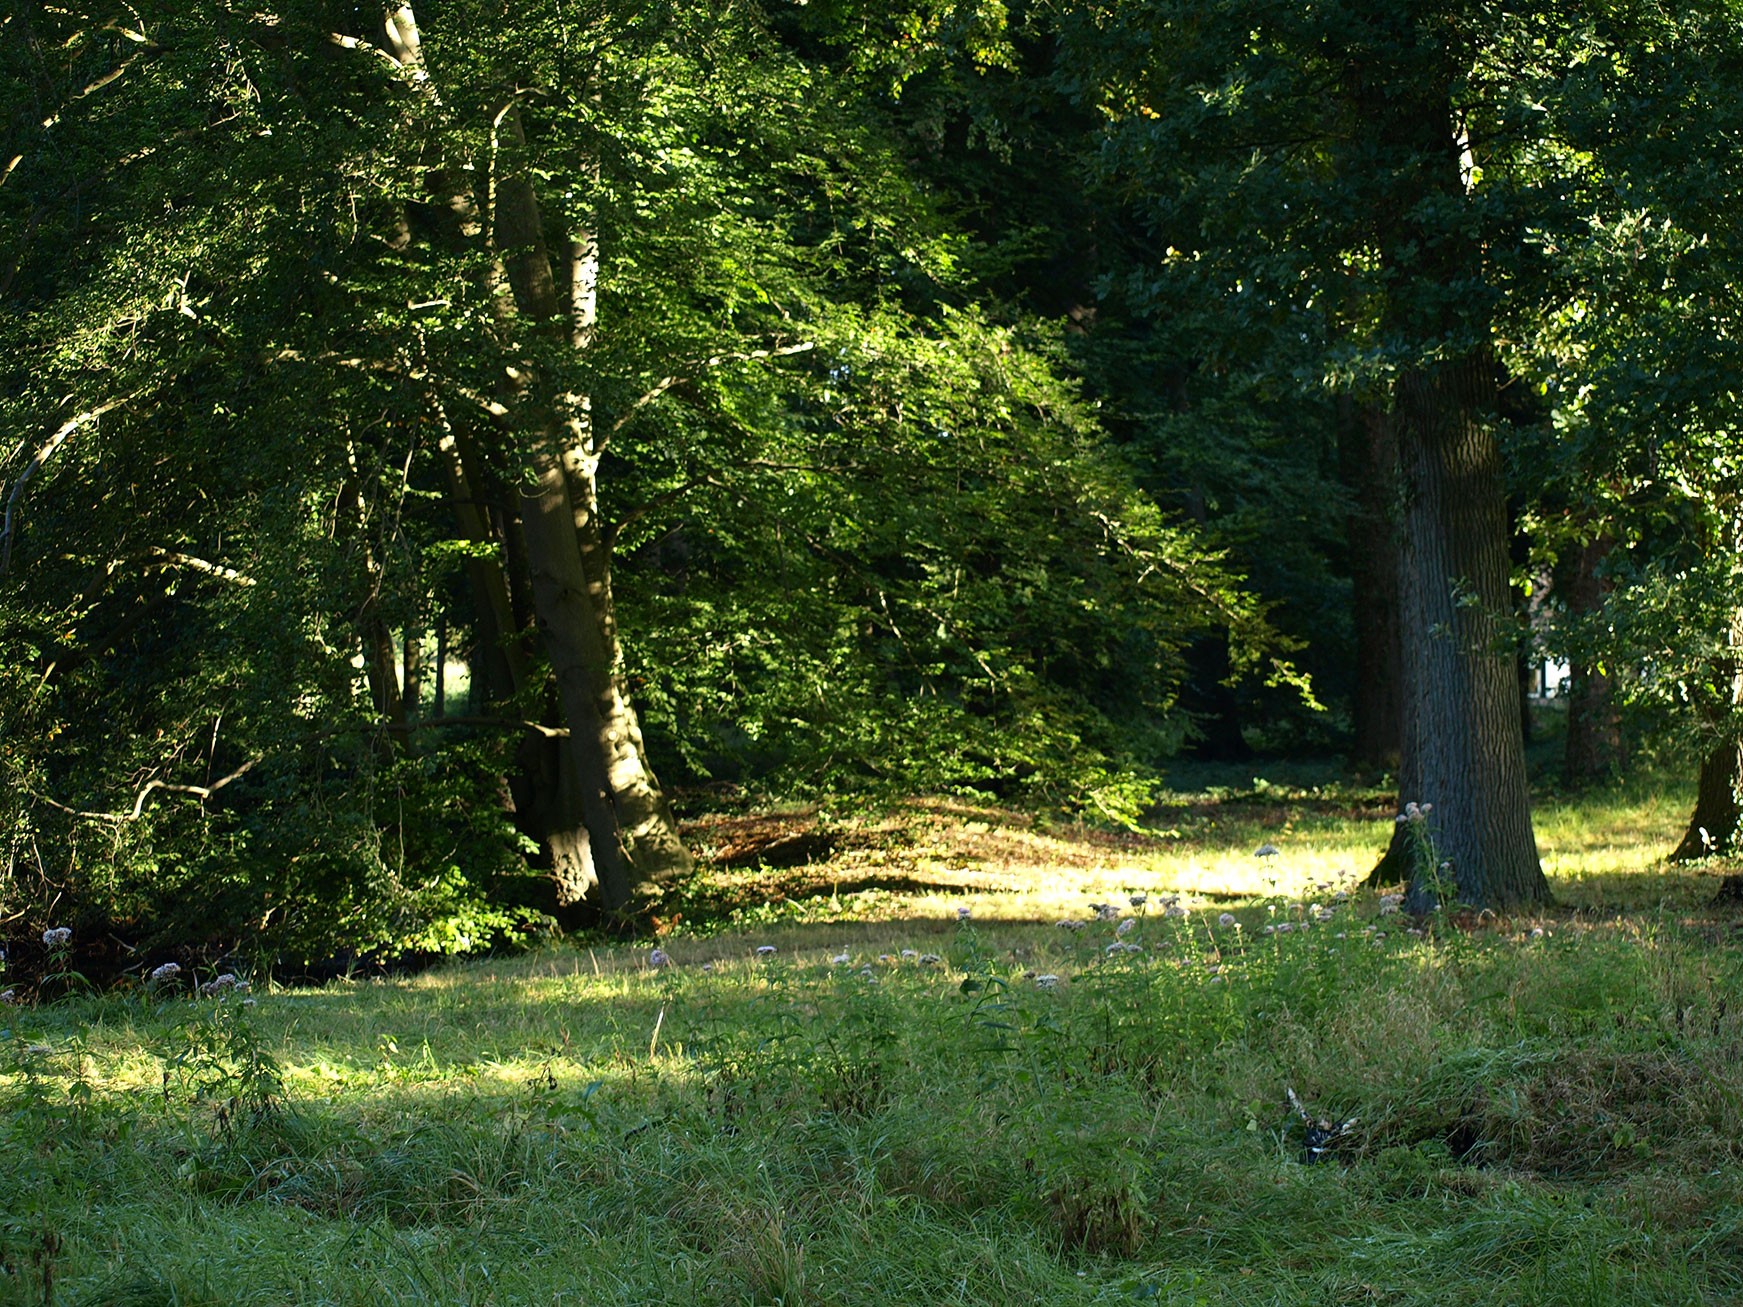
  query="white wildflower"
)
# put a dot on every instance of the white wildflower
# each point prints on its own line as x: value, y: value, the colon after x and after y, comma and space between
x: 1105, y: 911
x: 886, y: 958
x: 910, y: 952
x: 842, y: 959
x: 8, y: 996
x: 1227, y: 919
x: 1266, y: 851
x: 57, y: 936
x: 1046, y: 982
x: 964, y: 913
x: 1174, y: 910
x: 765, y: 950
x: 1138, y: 900
x: 708, y: 968
x: 1069, y: 924
x: 1125, y: 927
x: 168, y: 971
x: 930, y: 959
x: 659, y: 958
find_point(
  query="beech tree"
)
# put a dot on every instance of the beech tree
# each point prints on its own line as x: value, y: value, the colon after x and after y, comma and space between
x: 598, y: 339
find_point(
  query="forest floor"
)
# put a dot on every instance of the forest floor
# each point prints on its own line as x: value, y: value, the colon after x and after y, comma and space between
x: 901, y: 1058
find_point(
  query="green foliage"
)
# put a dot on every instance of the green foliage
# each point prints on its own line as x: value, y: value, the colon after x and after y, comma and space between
x: 867, y: 536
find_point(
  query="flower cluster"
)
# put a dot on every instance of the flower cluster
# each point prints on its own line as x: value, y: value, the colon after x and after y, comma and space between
x: 659, y: 958
x: 57, y: 936
x: 1414, y: 812
x: 224, y: 984
x: 168, y: 971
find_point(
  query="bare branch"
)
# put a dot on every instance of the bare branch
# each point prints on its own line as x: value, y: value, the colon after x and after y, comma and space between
x: 391, y: 368
x: 48, y: 451
x: 201, y: 792
x: 364, y: 47
x: 506, y: 723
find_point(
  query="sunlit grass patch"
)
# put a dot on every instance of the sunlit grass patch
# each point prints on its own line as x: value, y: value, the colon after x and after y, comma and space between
x: 1074, y: 1090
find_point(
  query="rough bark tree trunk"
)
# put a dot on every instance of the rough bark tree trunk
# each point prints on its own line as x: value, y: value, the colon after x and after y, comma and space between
x: 1463, y: 747
x: 1460, y: 680
x: 1713, y: 826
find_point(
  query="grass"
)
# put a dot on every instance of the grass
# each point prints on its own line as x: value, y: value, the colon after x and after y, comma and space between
x: 1546, y: 1111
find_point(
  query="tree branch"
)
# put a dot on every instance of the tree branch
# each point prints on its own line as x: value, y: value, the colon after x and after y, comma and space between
x: 666, y: 383
x: 48, y: 451
x: 201, y: 792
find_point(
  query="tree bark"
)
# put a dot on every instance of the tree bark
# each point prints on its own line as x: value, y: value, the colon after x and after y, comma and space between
x: 1368, y: 462
x: 1463, y: 748
x: 1713, y: 825
x: 603, y: 818
x: 634, y: 835
x: 1719, y: 795
x: 1460, y: 679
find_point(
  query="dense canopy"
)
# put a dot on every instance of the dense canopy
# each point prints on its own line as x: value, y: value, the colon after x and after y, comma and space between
x: 429, y: 439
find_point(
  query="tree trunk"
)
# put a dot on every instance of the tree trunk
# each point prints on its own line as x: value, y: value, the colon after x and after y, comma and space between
x: 1368, y: 461
x: 1460, y: 680
x: 1463, y: 746
x: 634, y: 835
x: 1594, y: 749
x: 1713, y: 826
x: 412, y: 660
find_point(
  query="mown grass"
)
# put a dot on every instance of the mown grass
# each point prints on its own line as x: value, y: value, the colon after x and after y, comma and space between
x: 1548, y: 1110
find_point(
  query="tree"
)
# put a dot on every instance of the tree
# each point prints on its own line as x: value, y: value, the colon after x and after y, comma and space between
x: 1314, y: 168
x: 605, y: 334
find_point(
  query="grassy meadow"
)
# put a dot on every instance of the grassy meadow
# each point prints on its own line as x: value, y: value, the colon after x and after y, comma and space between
x: 843, y: 1090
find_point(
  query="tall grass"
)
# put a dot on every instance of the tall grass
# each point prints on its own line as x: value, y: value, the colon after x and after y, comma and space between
x: 1012, y: 1111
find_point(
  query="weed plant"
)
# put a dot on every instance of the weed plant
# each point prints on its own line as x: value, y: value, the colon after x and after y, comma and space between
x: 961, y: 1110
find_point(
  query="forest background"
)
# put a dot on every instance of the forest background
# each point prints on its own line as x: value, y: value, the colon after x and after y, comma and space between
x: 422, y: 432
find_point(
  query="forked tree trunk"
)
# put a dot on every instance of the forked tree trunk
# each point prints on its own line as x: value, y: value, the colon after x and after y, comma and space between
x: 634, y: 836
x: 604, y: 818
